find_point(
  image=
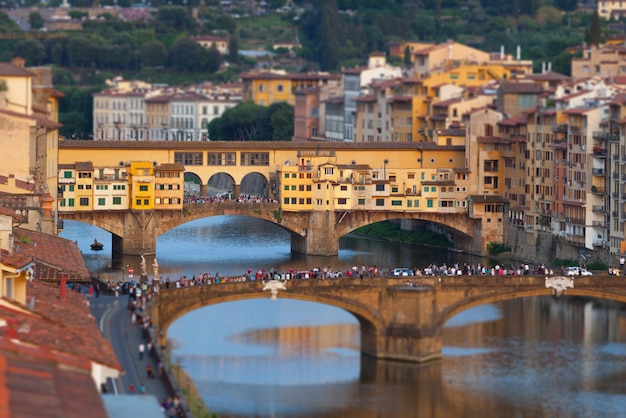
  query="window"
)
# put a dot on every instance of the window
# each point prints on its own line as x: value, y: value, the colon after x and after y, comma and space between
x: 84, y: 201
x: 255, y: 158
x: 286, y: 175
x: 138, y: 202
x: 70, y: 202
x: 221, y: 158
x: 396, y: 203
x: 143, y: 188
x: 101, y: 201
x: 344, y: 188
x: 117, y: 200
x: 188, y: 158
x: 342, y: 201
x: 286, y: 201
x: 380, y: 187
x: 287, y: 187
x: 146, y: 202
x: 67, y: 174
x: 361, y: 202
x: 380, y: 202
x: 329, y: 171
x: 429, y: 203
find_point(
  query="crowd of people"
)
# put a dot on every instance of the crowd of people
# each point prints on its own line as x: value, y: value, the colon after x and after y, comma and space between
x: 227, y: 198
x: 327, y: 272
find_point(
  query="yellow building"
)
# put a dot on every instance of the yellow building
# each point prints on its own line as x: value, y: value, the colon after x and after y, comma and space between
x: 15, y: 268
x: 84, y: 186
x: 272, y: 87
x: 141, y: 180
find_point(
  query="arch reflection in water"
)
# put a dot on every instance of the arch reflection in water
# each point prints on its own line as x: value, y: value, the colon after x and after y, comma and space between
x: 537, y: 357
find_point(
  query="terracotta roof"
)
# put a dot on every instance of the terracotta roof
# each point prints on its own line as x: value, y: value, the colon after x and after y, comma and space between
x: 170, y: 167
x: 290, y: 76
x: 46, y: 123
x: 488, y: 198
x: 366, y: 98
x: 524, y: 88
x: 84, y: 165
x: 52, y: 255
x: 16, y: 261
x: 452, y: 132
x: 66, y: 325
x: 547, y: 76
x: 37, y: 382
x: 513, y: 121
x: 10, y: 70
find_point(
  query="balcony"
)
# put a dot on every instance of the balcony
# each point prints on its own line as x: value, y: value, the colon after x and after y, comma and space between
x: 576, y: 221
x: 598, y: 171
x: 623, y: 215
x: 575, y: 239
x: 600, y: 152
x: 598, y: 224
x: 600, y: 243
x: 606, y: 136
x: 560, y: 128
x: 599, y: 209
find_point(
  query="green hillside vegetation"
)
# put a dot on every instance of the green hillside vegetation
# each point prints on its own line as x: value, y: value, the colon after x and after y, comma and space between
x: 333, y: 33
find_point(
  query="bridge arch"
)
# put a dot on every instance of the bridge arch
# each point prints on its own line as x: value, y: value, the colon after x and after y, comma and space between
x: 254, y: 184
x: 175, y: 304
x: 480, y: 300
x: 220, y: 183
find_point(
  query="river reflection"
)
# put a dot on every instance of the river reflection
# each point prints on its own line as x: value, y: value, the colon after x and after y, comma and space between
x: 535, y: 357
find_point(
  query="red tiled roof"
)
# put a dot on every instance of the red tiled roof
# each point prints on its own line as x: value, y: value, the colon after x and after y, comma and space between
x: 9, y: 70
x: 52, y: 255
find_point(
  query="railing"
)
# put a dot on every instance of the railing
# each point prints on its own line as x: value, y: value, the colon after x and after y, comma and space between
x: 600, y: 152
x: 600, y: 243
x: 601, y: 209
x: 601, y: 224
x: 598, y: 171
x: 576, y: 221
x: 606, y: 136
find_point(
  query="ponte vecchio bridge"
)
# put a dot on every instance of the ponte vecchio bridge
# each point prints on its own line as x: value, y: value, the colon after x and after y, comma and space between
x: 408, y: 181
x: 398, y: 322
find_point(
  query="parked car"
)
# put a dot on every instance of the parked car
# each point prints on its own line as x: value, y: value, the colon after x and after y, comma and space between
x: 402, y: 271
x: 577, y: 271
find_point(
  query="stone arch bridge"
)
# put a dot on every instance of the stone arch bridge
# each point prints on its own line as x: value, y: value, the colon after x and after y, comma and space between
x: 312, y: 232
x: 398, y: 322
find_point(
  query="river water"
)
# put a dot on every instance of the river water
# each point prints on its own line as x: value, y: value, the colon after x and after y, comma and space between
x: 531, y: 357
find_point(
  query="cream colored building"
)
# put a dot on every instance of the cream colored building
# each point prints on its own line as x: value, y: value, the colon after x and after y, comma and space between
x: 29, y: 140
x: 169, y: 186
x: 611, y: 9
x: 602, y: 61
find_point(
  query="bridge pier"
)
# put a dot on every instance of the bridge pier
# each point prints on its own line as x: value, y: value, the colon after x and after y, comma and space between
x: 321, y: 235
x: 403, y: 343
x: 140, y: 234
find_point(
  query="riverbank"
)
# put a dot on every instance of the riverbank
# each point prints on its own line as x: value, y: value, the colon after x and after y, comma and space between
x: 391, y: 231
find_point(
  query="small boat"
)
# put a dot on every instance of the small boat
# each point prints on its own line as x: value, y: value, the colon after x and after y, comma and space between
x: 96, y: 246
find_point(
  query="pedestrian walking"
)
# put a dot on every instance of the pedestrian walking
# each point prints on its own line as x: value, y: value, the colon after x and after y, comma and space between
x: 131, y: 389
x: 149, y: 371
x: 142, y: 348
x: 621, y: 264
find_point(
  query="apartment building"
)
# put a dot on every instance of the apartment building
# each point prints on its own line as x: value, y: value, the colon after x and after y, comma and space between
x: 604, y: 61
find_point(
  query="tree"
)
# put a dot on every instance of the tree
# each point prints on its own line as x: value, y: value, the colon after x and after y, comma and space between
x: 407, y: 56
x: 186, y: 55
x: 595, y: 29
x: 35, y: 20
x: 280, y: 117
x: 233, y: 49
x: 153, y: 53
x: 31, y: 50
x: 239, y: 123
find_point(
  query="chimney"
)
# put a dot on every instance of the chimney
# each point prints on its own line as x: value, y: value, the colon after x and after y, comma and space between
x: 63, y: 286
x: 18, y: 62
